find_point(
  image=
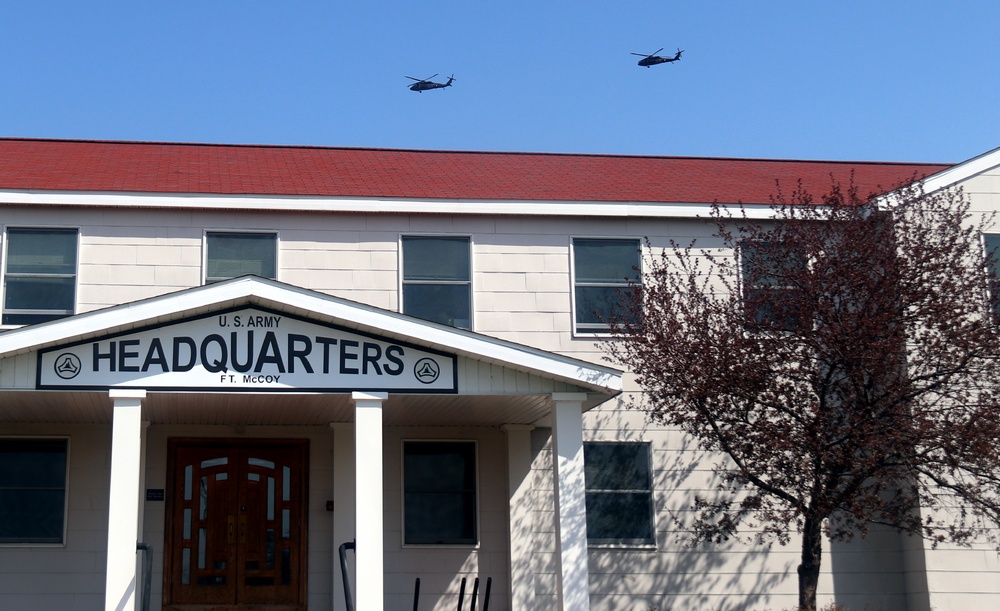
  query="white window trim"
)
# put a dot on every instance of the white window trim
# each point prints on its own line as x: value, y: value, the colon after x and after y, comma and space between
x: 3, y: 265
x: 65, y: 520
x: 990, y: 298
x: 204, y: 248
x: 472, y: 270
x: 402, y: 496
x: 584, y: 334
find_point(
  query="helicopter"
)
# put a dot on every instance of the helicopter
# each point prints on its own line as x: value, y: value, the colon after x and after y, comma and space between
x: 652, y: 59
x: 423, y: 85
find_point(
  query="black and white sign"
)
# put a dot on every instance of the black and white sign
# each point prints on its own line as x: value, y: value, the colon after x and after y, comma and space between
x: 247, y: 349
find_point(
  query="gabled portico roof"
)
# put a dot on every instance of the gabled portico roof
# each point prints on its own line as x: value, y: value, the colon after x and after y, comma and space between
x: 540, y: 372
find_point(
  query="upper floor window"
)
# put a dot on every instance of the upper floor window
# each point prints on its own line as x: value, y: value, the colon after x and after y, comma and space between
x: 619, y: 493
x: 771, y: 272
x: 991, y: 241
x: 231, y: 254
x: 439, y: 492
x: 32, y: 490
x: 437, y: 279
x: 602, y: 272
x: 39, y: 275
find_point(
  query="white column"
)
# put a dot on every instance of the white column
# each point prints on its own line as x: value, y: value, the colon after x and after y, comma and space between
x: 343, y: 508
x: 519, y: 508
x: 573, y: 590
x: 368, y: 499
x: 124, y: 500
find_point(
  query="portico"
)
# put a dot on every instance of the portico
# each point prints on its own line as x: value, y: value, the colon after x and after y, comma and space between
x: 254, y: 363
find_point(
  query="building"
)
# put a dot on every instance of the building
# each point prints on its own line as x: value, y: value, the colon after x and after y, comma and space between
x: 276, y: 366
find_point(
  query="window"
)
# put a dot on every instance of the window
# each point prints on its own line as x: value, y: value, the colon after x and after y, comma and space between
x: 439, y: 492
x: 437, y: 280
x: 619, y: 493
x: 40, y: 275
x: 602, y: 270
x: 32, y: 490
x: 237, y: 254
x: 992, y: 243
x: 770, y: 272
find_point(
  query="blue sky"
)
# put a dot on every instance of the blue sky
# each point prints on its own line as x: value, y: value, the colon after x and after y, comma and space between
x: 894, y: 80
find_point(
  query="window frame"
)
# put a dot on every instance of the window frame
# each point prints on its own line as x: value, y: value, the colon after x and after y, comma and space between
x: 206, y: 279
x: 755, y: 319
x: 403, y: 282
x: 476, y: 539
x: 597, y: 329
x: 65, y: 488
x: 50, y: 314
x: 993, y: 292
x: 623, y: 543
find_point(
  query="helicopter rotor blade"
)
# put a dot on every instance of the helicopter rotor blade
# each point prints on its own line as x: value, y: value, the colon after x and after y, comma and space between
x: 649, y: 54
x: 415, y: 79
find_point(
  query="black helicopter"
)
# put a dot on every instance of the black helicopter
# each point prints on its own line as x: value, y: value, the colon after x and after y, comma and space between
x: 652, y: 59
x: 424, y: 84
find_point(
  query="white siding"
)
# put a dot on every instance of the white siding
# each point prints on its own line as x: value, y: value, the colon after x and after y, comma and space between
x: 521, y: 279
x: 68, y: 576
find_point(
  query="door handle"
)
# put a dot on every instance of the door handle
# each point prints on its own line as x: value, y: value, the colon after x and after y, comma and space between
x: 243, y: 529
x: 231, y: 529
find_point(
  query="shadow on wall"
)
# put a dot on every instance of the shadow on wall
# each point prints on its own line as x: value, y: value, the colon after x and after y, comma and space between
x: 733, y: 576
x: 870, y: 573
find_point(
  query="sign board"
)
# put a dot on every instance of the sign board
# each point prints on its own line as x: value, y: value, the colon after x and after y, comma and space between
x: 250, y: 349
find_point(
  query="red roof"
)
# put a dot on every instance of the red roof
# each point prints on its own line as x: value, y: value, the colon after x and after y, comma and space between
x: 66, y: 165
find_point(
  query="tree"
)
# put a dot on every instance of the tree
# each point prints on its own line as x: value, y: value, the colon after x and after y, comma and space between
x: 841, y: 356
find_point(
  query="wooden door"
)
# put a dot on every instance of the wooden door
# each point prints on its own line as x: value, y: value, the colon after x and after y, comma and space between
x: 236, y: 524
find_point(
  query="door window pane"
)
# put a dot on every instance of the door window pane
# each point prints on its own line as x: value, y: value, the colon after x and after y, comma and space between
x: 439, y: 492
x: 238, y: 254
x: 437, y: 280
x: 32, y: 490
x: 39, y: 275
x: 602, y: 271
x: 619, y: 493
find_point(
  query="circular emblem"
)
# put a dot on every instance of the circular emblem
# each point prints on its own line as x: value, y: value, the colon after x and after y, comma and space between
x: 67, y: 366
x: 427, y: 370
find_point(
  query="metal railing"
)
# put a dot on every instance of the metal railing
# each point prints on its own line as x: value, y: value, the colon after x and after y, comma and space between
x: 147, y: 572
x: 349, y: 596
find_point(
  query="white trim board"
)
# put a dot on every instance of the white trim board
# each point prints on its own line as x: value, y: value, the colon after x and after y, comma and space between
x: 368, y: 205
